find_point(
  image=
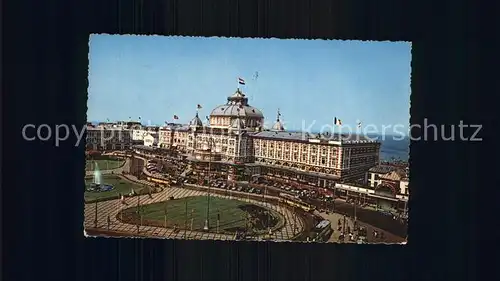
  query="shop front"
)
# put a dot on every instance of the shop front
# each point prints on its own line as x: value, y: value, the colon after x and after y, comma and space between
x: 385, y: 193
x: 237, y: 172
x: 299, y: 179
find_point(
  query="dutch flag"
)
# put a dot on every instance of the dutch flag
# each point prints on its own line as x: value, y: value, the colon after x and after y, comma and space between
x: 241, y: 81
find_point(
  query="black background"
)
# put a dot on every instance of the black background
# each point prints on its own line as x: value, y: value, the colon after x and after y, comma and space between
x: 45, y: 60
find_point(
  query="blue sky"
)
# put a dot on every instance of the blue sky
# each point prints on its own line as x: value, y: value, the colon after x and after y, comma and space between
x: 310, y: 81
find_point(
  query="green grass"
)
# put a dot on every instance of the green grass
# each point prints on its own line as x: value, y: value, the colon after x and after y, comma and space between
x: 121, y: 186
x: 232, y: 216
x: 104, y: 164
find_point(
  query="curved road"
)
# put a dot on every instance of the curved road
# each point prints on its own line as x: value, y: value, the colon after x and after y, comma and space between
x: 111, y: 208
x: 367, y: 216
x: 371, y: 217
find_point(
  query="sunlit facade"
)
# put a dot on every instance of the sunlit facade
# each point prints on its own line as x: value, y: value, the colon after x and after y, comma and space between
x: 237, y: 144
x: 108, y: 137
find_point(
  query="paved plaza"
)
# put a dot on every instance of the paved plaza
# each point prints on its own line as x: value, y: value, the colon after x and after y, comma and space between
x: 111, y: 208
x: 293, y: 224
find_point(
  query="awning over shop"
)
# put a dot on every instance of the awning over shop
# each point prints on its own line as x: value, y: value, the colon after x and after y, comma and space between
x: 383, y: 197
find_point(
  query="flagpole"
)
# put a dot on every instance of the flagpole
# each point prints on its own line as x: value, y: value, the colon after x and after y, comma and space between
x: 218, y: 220
x: 165, y: 209
x: 95, y: 218
x: 207, y: 227
x: 185, y: 218
x: 138, y: 210
x: 191, y: 227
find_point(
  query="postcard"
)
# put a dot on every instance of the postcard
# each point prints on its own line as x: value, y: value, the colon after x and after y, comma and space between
x: 247, y: 139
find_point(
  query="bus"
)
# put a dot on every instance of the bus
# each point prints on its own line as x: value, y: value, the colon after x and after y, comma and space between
x: 159, y: 181
x: 323, y: 231
x: 295, y: 202
x: 288, y: 196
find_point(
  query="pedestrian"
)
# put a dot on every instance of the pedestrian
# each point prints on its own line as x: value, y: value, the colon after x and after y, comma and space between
x: 122, y: 199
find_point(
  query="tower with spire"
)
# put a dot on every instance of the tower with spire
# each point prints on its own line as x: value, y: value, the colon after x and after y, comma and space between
x: 195, y: 126
x: 196, y: 122
x: 278, y: 126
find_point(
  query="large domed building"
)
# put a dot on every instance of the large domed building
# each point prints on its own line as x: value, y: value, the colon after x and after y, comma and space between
x: 237, y: 108
x: 234, y: 145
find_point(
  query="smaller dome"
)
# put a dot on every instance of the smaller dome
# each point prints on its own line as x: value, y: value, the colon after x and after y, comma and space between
x: 278, y: 126
x: 196, y: 121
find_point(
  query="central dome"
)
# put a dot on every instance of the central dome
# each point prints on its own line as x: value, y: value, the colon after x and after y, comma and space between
x: 237, y: 106
x: 232, y: 110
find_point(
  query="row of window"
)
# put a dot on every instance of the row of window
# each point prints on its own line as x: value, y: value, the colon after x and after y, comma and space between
x: 226, y: 121
x: 300, y: 167
x: 296, y: 147
x: 109, y: 146
x: 295, y: 156
x: 113, y: 140
x: 372, y: 160
x: 362, y: 150
x: 263, y: 150
x: 109, y: 133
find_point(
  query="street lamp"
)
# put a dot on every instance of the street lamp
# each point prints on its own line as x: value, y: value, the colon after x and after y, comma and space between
x: 95, y: 215
x: 405, y: 210
x: 333, y: 197
x: 210, y: 146
x: 355, y: 204
x: 268, y: 214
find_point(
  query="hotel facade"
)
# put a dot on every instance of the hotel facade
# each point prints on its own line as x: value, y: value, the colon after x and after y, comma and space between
x: 237, y: 147
x: 108, y: 137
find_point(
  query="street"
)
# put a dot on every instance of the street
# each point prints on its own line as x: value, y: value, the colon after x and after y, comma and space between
x: 371, y: 217
x: 367, y: 216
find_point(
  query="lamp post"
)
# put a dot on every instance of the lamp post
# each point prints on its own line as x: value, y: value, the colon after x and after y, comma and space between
x: 355, y: 204
x: 185, y: 218
x: 210, y: 145
x: 268, y: 215
x: 95, y: 215
x: 405, y: 209
x: 333, y: 196
x: 138, y: 224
